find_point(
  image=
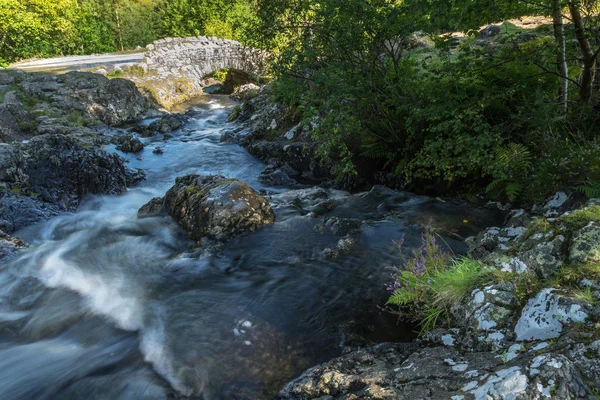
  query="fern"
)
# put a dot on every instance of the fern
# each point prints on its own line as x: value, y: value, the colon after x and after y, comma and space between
x: 515, y: 157
x: 377, y: 150
x: 495, y: 185
x: 512, y: 163
x: 512, y: 190
x: 591, y: 191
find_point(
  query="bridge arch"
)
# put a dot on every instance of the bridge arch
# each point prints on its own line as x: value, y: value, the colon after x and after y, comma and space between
x: 197, y: 57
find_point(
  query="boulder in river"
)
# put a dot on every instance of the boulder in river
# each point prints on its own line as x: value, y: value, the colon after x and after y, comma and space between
x: 213, y: 206
x: 8, y: 245
x: 53, y: 173
x: 130, y: 144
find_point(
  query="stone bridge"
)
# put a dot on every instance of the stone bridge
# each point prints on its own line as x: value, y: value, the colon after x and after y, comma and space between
x: 197, y: 57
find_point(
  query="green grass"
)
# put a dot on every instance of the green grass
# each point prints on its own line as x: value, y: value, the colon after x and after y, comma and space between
x: 586, y: 295
x: 453, y: 285
x: 77, y: 119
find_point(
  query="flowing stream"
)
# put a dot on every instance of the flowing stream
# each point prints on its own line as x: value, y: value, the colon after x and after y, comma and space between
x: 104, y: 305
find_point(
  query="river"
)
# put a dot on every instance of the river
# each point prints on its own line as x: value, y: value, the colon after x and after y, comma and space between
x: 104, y: 305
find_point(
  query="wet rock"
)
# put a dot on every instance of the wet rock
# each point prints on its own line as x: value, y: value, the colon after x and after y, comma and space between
x: 154, y: 207
x: 20, y: 210
x: 545, y: 315
x: 342, y: 246
x: 62, y: 170
x: 8, y: 245
x: 53, y: 173
x: 166, y: 124
x: 215, y: 207
x: 130, y: 144
x: 343, y: 226
x: 158, y: 150
x: 278, y: 176
x: 244, y: 92
x: 585, y: 246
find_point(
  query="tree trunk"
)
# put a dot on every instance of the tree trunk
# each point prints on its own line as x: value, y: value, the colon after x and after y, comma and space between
x: 119, y: 33
x: 587, y: 54
x: 561, y: 54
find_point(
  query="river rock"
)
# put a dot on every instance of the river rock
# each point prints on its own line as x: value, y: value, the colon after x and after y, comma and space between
x: 166, y: 124
x: 130, y: 144
x: 545, y: 258
x: 11, y: 165
x: 214, y: 207
x: 276, y: 175
x: 19, y: 210
x: 8, y: 245
x: 62, y: 170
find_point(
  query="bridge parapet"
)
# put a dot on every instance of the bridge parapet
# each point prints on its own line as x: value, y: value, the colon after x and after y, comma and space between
x: 197, y: 57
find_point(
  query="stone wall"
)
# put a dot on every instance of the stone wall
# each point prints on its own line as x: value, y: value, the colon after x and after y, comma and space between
x: 197, y: 57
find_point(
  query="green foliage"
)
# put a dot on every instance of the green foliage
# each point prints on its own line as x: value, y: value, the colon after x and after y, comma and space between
x: 222, y: 18
x: 423, y: 108
x: 43, y: 28
x: 591, y: 190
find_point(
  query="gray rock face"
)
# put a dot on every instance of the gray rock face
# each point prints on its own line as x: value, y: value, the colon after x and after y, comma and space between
x: 118, y: 101
x: 11, y: 165
x: 18, y: 211
x: 489, y: 313
x: 545, y: 316
x: 213, y: 207
x: 405, y: 371
x: 62, y: 171
x: 585, y: 246
x: 546, y: 257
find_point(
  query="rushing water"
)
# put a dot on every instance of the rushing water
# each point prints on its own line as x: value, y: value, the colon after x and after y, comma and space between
x: 108, y: 306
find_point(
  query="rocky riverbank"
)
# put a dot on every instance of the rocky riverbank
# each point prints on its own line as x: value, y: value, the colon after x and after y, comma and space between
x: 52, y: 129
x: 534, y: 335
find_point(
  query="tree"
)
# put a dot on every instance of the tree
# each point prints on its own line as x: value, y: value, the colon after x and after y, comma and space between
x: 561, y: 54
